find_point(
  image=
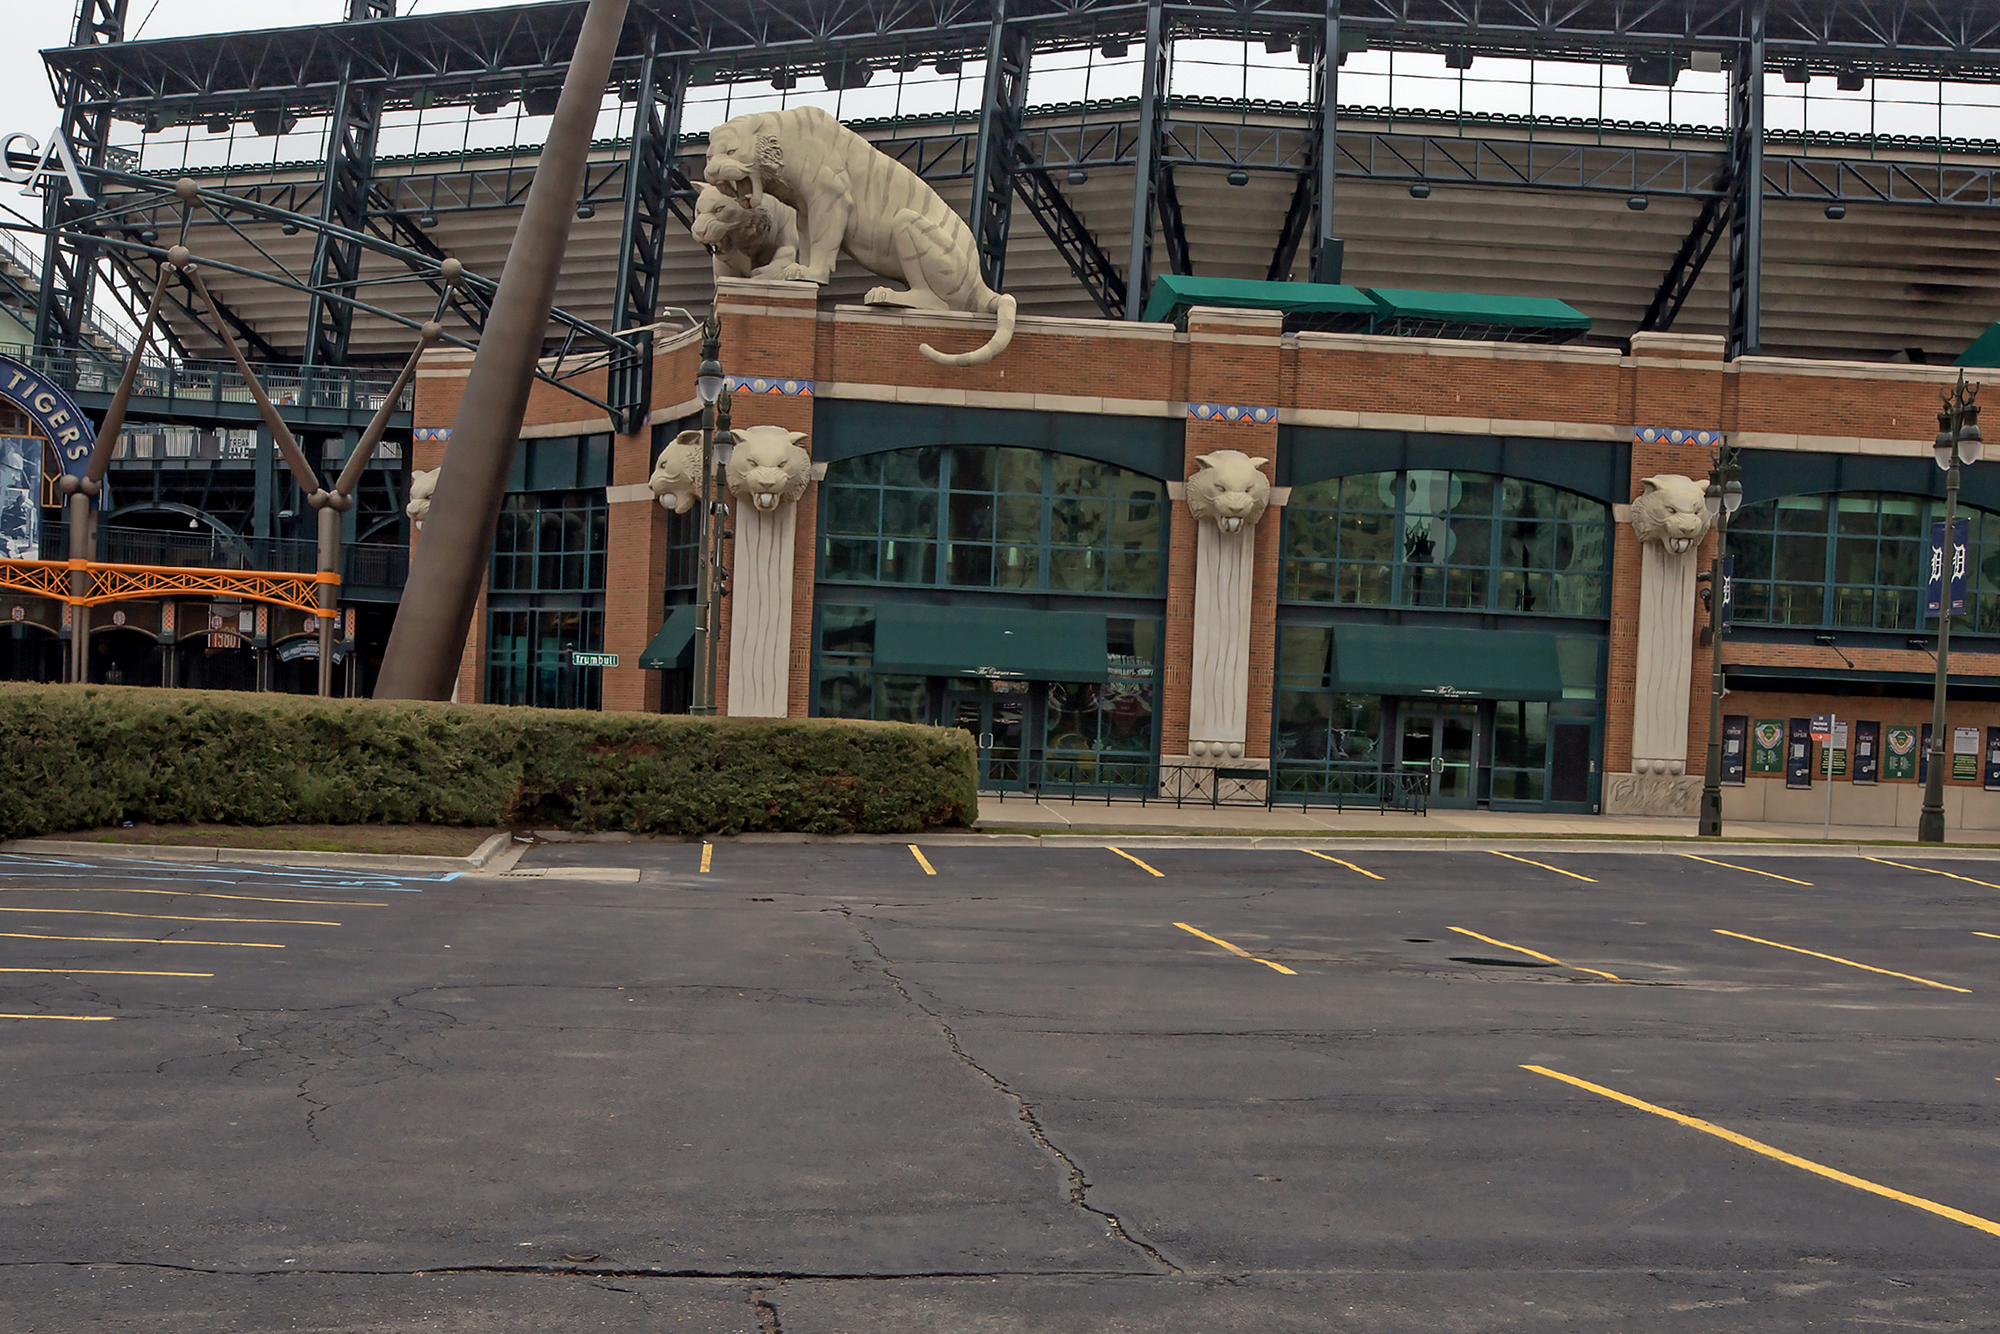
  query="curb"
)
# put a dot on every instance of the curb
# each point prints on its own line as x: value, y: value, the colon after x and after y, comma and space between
x: 486, y: 853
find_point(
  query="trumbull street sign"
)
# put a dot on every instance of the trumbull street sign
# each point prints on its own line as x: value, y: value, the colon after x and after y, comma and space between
x: 593, y: 659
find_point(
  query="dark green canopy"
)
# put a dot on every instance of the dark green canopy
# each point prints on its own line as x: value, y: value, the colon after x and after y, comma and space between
x: 1447, y: 663
x: 1329, y: 306
x: 991, y: 642
x: 673, y: 646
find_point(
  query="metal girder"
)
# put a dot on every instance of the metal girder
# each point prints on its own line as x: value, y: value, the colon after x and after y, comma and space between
x: 1327, y: 249
x: 1152, y: 94
x: 647, y: 218
x: 1073, y: 241
x: 1746, y: 182
x: 1173, y: 230
x: 1002, y: 102
x: 1711, y: 224
x: 69, y: 260
x: 456, y: 56
x: 1297, y: 219
x: 351, y: 132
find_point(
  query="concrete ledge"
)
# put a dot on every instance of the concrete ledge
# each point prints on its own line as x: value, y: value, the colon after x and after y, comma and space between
x: 481, y: 856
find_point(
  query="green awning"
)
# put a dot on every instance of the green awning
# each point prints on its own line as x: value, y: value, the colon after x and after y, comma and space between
x: 991, y: 642
x: 1541, y: 319
x: 1985, y: 349
x: 1443, y: 663
x: 673, y: 646
x: 1324, y: 306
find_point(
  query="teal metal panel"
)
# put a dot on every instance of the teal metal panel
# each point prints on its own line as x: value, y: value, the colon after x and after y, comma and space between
x: 990, y: 641
x: 850, y: 428
x: 1599, y: 469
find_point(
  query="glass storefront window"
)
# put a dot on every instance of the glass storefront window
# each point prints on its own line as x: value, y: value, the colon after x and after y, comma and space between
x: 1520, y: 750
x: 1452, y: 540
x: 549, y: 541
x: 524, y: 657
x: 1855, y: 560
x: 980, y: 516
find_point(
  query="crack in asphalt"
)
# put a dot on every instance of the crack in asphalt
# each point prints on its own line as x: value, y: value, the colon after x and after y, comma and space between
x: 767, y: 1314
x: 1079, y: 1183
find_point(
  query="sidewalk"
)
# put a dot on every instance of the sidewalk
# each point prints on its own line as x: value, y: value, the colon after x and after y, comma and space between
x: 1022, y: 814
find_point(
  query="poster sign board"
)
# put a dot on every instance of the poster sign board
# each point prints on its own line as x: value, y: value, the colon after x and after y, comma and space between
x: 1798, y: 752
x: 1900, y: 761
x: 1867, y: 751
x: 1735, y: 747
x: 1992, y: 758
x: 1767, y: 746
x: 1964, y: 754
x: 20, y: 497
x: 1960, y: 531
x: 1833, y: 751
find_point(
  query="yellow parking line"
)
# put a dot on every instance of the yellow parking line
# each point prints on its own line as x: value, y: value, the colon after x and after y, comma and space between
x: 1988, y: 934
x: 105, y: 972
x: 142, y: 940
x: 1234, y: 949
x: 922, y: 860
x: 1757, y: 1146
x: 707, y: 851
x: 75, y: 1018
x: 1336, y: 861
x: 1751, y: 869
x: 1544, y: 865
x: 1522, y: 949
x: 1883, y: 861
x: 1868, y: 967
x: 181, y: 894
x: 1141, y: 865
x: 167, y: 917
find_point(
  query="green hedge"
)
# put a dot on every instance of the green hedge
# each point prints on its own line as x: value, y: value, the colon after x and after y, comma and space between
x: 79, y: 757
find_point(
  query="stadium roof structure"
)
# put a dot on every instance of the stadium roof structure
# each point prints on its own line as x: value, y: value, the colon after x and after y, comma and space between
x: 1865, y: 245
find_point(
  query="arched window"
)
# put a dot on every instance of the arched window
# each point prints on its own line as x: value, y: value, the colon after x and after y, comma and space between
x: 984, y: 516
x: 1432, y: 538
x: 1855, y: 560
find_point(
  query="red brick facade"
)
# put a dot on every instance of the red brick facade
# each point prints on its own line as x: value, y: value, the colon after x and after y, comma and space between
x: 1242, y: 359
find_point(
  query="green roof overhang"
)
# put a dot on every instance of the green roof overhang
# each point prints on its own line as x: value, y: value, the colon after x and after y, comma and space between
x: 673, y: 646
x: 1447, y: 663
x: 990, y: 642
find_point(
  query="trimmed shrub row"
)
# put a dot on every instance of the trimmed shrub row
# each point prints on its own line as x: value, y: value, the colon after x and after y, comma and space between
x: 78, y: 757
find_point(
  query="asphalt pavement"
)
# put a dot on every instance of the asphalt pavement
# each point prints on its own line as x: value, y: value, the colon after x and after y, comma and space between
x: 857, y: 1087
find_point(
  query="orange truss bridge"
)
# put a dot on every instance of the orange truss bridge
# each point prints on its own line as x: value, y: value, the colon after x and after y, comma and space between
x: 129, y: 583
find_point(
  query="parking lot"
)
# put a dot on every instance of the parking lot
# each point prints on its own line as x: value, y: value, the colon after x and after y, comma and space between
x: 829, y: 1088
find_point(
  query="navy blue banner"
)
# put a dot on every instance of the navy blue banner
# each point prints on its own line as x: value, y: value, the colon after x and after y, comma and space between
x: 70, y: 433
x: 1960, y: 532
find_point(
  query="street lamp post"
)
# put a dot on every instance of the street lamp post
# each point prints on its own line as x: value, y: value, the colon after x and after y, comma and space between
x: 1958, y: 443
x: 1722, y: 499
x: 708, y: 387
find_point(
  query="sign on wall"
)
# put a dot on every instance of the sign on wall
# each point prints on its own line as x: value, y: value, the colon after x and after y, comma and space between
x: 54, y: 413
x: 1834, y: 751
x: 1900, y: 759
x: 1924, y: 754
x: 1767, y: 746
x: 1867, y: 751
x: 1964, y: 754
x: 1798, y: 752
x: 1992, y: 758
x: 1735, y: 746
x: 20, y: 497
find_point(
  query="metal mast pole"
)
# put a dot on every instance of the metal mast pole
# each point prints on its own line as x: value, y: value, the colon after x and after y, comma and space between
x: 1960, y: 410
x: 449, y: 565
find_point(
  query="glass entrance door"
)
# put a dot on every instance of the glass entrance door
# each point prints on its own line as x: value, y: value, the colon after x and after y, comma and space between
x: 996, y: 715
x: 1443, y: 745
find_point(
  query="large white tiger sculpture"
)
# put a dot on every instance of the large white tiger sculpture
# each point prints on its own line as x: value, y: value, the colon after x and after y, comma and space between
x: 1670, y: 511
x: 676, y: 479
x: 1228, y: 488
x: 851, y: 196
x: 768, y: 467
x: 743, y: 240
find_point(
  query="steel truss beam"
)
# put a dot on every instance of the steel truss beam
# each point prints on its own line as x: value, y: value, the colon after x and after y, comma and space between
x: 1746, y: 194
x: 457, y: 56
x: 1102, y: 282
x: 1002, y: 104
x: 69, y: 267
x: 1145, y: 162
x: 647, y: 216
x: 1297, y: 219
x: 351, y: 132
x: 124, y: 583
x: 1173, y: 230
x: 1711, y: 224
x: 1328, y: 250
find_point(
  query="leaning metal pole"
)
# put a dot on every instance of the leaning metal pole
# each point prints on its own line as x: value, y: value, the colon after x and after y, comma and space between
x: 449, y: 565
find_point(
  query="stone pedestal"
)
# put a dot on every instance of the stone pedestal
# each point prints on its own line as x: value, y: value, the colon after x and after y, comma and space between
x: 760, y: 630
x: 1653, y: 794
x: 1665, y: 662
x: 1219, y: 698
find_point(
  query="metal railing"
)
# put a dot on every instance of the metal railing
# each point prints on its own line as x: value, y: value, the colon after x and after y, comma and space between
x: 365, y: 564
x: 213, y: 383
x: 1110, y: 779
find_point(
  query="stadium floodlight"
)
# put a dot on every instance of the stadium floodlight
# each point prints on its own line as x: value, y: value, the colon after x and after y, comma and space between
x: 1420, y: 190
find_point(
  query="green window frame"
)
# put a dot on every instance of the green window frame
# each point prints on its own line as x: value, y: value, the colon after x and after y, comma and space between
x: 1855, y: 560
x: 550, y: 542
x: 991, y: 516
x: 1448, y: 539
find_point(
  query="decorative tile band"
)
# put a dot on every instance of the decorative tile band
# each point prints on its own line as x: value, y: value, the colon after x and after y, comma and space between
x: 1672, y: 435
x: 431, y: 433
x: 758, y: 384
x: 1232, y: 412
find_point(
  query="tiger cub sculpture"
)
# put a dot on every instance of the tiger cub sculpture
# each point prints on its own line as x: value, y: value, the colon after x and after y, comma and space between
x: 746, y: 240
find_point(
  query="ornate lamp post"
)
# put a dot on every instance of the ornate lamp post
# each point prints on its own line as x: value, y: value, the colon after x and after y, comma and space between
x: 1958, y: 443
x: 1722, y: 499
x: 708, y: 386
